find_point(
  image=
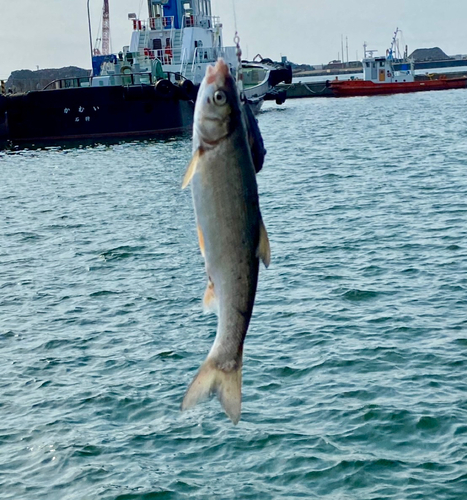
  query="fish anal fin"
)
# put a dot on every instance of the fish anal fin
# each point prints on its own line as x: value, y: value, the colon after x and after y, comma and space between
x: 264, y: 250
x: 210, y: 301
x: 191, y: 168
x: 201, y: 240
x: 226, y: 384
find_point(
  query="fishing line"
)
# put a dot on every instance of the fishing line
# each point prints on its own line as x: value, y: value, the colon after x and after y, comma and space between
x: 235, y: 16
x: 140, y: 8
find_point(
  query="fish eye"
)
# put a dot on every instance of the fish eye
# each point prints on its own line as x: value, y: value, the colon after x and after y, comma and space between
x: 220, y: 98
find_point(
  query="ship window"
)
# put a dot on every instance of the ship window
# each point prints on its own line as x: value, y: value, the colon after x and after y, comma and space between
x: 367, y: 64
x: 381, y: 63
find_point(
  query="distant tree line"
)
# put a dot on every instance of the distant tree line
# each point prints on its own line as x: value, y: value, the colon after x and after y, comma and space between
x: 25, y: 80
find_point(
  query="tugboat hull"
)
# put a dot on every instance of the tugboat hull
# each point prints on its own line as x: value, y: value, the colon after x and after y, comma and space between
x: 50, y: 116
x: 353, y: 88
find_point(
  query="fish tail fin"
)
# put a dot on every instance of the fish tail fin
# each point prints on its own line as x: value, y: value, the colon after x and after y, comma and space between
x: 227, y: 385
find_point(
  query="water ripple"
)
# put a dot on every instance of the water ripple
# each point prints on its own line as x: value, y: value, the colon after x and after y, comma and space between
x: 354, y: 370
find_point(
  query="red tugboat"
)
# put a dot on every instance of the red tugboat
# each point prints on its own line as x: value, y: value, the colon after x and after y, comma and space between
x: 380, y: 77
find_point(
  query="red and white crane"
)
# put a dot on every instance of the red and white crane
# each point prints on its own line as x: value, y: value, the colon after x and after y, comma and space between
x: 105, y: 29
x: 102, y: 45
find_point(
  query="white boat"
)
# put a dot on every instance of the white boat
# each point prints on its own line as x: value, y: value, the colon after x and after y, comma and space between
x: 178, y: 40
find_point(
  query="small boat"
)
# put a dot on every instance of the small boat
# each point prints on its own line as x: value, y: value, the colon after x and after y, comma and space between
x: 260, y: 78
x: 380, y: 76
x: 148, y: 88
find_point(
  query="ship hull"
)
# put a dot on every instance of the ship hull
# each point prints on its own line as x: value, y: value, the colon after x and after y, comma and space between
x: 354, y: 88
x: 91, y: 113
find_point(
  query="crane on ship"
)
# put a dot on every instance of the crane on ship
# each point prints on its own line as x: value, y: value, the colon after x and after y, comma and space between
x: 105, y: 47
x: 106, y: 29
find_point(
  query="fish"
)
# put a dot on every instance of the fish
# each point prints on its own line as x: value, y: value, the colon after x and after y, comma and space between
x: 231, y: 232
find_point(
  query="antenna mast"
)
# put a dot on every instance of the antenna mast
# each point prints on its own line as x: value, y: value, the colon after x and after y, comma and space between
x: 106, y: 29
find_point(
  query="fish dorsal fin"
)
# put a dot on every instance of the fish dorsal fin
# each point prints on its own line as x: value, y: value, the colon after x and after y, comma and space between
x: 191, y: 168
x: 264, y: 250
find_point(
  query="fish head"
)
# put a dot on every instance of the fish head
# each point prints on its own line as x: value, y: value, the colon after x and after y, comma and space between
x: 217, y: 109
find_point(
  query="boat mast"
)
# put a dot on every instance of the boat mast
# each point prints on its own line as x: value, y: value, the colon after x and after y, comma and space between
x: 90, y: 35
x: 393, y: 45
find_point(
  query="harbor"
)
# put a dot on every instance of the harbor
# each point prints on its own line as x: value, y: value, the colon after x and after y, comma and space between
x: 148, y: 88
x: 215, y: 287
x: 354, y: 376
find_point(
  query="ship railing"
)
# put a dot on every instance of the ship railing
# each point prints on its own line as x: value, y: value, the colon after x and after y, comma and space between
x: 166, y: 56
x: 161, y: 23
x: 210, y: 55
x: 69, y: 83
x: 205, y: 55
x: 200, y: 21
x: 229, y: 54
x: 142, y: 78
x: 183, y: 61
x: 200, y: 56
x: 154, y: 23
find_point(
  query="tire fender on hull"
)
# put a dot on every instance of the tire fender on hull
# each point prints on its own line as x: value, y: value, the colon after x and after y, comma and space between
x: 165, y: 89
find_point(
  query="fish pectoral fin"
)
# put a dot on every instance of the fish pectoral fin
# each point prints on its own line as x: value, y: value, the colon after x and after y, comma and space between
x: 264, y: 250
x: 191, y: 168
x: 210, y: 302
x: 226, y: 384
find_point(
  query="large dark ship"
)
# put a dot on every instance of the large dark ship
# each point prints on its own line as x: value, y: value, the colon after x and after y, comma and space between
x: 148, y: 88
x: 74, y: 113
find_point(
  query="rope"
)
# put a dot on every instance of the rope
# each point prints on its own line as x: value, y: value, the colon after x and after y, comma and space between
x: 312, y: 91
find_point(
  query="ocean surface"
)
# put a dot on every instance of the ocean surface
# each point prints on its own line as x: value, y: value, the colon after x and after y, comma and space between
x: 355, y: 367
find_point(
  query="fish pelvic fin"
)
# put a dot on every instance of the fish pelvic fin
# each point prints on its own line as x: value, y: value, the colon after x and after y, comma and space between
x: 191, y: 168
x: 225, y: 383
x: 210, y: 302
x: 201, y: 240
x: 264, y: 250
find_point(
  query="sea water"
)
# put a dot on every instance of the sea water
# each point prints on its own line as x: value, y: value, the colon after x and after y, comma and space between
x: 355, y: 365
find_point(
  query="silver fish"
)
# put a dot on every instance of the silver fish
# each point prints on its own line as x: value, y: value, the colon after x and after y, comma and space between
x: 231, y: 232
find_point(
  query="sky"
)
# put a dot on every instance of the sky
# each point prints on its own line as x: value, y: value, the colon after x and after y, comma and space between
x: 54, y: 33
